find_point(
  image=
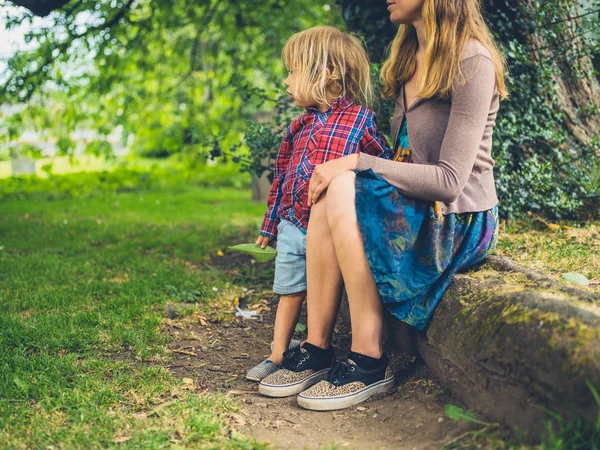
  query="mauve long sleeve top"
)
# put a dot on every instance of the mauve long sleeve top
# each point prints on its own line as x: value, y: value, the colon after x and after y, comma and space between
x: 450, y: 139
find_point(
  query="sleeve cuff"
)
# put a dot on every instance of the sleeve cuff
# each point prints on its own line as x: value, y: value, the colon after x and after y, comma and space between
x: 267, y: 234
x: 365, y: 161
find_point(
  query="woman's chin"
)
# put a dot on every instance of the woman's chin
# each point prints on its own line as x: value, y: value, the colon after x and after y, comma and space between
x: 397, y: 19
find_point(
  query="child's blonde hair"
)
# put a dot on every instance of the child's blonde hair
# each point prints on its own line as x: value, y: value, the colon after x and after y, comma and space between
x: 310, y: 52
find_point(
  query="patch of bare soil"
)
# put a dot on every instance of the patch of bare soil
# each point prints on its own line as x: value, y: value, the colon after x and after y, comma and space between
x: 216, y: 356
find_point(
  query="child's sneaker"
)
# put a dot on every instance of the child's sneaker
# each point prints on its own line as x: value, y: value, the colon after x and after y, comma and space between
x: 293, y: 343
x: 267, y: 367
x: 348, y: 384
x: 261, y: 370
x: 301, y: 368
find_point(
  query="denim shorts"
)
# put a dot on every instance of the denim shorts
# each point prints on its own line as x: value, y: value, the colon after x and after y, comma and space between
x: 290, y: 262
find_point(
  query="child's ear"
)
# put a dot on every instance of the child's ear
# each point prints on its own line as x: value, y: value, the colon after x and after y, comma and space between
x: 327, y: 75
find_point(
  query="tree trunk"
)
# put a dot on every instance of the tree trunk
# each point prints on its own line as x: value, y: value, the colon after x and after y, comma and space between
x: 260, y: 188
x: 578, y: 97
x: 508, y: 343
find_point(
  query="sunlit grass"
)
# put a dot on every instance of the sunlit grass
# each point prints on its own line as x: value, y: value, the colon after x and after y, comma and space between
x: 60, y: 165
x: 83, y: 288
x: 554, y: 248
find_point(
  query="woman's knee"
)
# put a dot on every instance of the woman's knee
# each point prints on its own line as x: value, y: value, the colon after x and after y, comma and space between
x: 340, y: 197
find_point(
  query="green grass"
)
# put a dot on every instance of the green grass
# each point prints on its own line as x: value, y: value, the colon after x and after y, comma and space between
x: 83, y: 286
x: 554, y: 248
x: 88, y: 263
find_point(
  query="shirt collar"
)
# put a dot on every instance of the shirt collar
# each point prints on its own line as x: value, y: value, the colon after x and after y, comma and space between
x: 341, y: 102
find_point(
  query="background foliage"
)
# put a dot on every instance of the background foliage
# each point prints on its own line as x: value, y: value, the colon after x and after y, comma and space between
x: 184, y: 78
x: 171, y: 73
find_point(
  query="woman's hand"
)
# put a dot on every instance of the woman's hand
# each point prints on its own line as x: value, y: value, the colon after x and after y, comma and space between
x: 324, y: 173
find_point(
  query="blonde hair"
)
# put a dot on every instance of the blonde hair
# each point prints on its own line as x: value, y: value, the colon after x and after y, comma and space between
x: 448, y: 26
x: 311, y: 52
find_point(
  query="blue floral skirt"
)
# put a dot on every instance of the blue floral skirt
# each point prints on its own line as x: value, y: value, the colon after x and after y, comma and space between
x: 413, y: 250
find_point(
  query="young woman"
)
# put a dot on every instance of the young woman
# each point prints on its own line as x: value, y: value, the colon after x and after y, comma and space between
x: 395, y: 232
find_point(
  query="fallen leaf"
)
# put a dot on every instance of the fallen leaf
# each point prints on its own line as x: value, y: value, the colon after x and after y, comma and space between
x: 300, y: 327
x: 220, y: 253
x: 188, y: 381
x: 184, y: 352
x: 239, y: 419
x: 121, y: 439
x: 240, y: 392
x: 576, y: 278
x: 202, y: 321
x: 553, y: 226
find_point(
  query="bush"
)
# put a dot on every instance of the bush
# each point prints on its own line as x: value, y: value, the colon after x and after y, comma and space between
x: 84, y: 184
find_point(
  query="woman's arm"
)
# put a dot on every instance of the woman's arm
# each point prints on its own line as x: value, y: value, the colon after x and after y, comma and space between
x: 469, y: 111
x: 372, y: 143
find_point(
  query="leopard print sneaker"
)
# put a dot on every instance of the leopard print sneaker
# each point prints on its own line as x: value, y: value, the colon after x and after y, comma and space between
x: 302, y: 367
x: 347, y: 385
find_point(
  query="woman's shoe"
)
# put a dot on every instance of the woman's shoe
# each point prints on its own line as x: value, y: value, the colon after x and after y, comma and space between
x: 348, y: 384
x: 301, y: 368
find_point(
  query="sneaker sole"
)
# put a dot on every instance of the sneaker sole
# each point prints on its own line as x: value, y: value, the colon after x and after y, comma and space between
x: 273, y: 390
x: 345, y: 401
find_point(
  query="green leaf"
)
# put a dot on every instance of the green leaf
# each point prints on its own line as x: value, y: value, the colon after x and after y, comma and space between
x: 20, y: 383
x: 255, y: 250
x: 456, y: 413
x: 576, y: 278
x: 300, y: 327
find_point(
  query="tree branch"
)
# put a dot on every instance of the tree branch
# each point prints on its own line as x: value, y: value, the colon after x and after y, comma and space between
x: 40, y: 7
x: 568, y: 19
x: 63, y: 46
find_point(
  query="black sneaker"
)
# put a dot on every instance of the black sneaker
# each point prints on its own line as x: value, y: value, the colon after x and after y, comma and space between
x: 302, y: 367
x: 348, y: 384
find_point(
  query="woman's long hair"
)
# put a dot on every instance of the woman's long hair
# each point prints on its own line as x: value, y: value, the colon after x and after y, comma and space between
x: 449, y: 24
x: 311, y: 52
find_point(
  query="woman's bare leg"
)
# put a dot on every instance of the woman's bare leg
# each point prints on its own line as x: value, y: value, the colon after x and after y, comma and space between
x: 324, y: 278
x: 365, y: 304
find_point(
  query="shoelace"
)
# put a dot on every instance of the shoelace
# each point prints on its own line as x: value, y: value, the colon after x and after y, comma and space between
x: 340, y: 371
x: 292, y: 358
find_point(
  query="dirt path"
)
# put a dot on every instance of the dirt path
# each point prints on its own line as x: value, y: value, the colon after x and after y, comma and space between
x: 412, y: 417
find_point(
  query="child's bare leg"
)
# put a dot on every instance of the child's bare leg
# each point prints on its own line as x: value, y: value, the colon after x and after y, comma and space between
x: 288, y: 311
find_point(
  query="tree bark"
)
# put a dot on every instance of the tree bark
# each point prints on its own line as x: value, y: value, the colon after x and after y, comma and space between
x: 579, y: 97
x: 40, y: 7
x: 509, y: 343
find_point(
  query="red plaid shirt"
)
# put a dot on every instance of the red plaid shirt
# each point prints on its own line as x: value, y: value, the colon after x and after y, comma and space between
x: 312, y: 139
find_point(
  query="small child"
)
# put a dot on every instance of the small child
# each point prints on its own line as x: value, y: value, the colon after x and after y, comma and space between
x: 328, y: 74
